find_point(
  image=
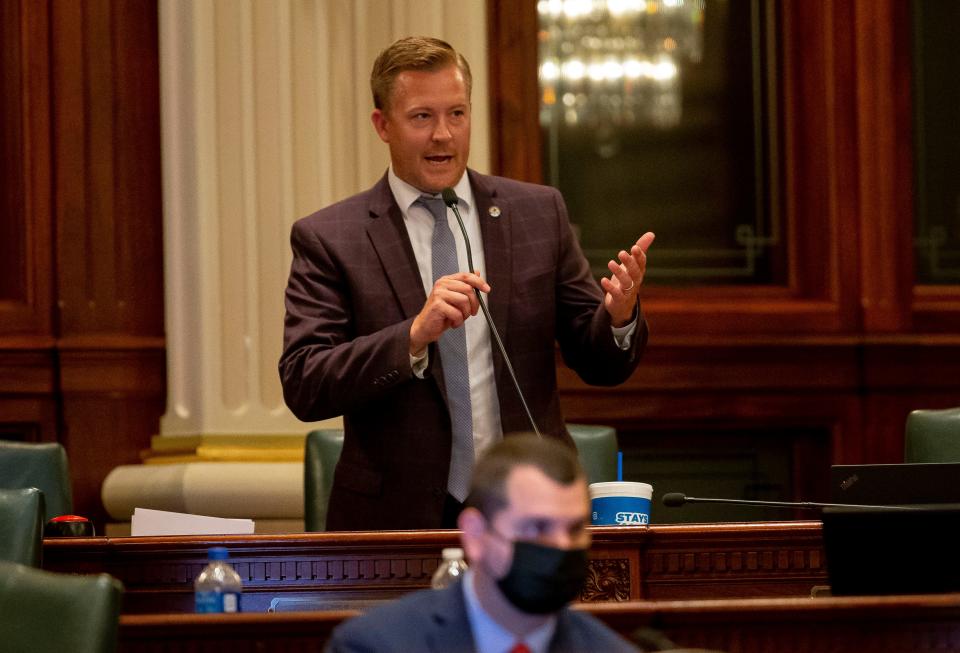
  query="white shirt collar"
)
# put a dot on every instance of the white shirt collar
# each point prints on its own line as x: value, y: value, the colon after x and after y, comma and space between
x: 406, y: 195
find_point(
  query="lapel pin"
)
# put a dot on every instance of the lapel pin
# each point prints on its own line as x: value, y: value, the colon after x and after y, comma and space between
x: 494, y: 211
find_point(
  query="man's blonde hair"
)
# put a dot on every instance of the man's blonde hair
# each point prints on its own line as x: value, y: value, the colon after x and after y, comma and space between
x: 413, y: 53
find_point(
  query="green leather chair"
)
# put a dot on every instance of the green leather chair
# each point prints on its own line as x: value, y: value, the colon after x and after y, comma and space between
x: 932, y: 436
x: 597, y: 450
x: 43, y: 466
x: 45, y: 612
x: 21, y: 527
x: 320, y: 459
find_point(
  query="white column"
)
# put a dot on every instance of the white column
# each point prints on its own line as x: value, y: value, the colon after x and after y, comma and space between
x: 265, y: 118
x: 265, y: 108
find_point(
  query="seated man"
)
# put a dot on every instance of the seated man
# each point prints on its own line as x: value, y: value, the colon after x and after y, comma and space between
x: 525, y: 535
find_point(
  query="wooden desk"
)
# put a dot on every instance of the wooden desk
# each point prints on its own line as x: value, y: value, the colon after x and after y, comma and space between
x: 344, y: 570
x: 905, y: 624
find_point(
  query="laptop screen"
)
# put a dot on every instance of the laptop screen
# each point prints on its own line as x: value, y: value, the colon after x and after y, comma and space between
x: 887, y: 485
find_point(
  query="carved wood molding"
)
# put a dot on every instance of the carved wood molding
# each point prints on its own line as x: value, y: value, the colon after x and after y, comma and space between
x: 751, y: 562
x: 777, y: 559
x: 318, y: 572
x: 607, y: 580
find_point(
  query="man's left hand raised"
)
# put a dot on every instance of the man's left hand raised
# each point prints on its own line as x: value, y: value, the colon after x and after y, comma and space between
x: 623, y: 284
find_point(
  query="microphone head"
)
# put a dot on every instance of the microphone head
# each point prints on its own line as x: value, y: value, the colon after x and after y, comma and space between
x: 449, y: 196
x: 674, y: 499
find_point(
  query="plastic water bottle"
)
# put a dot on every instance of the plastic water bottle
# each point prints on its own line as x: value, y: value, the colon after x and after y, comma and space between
x: 218, y: 587
x: 450, y: 569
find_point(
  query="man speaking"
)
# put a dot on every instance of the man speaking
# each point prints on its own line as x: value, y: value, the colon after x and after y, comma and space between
x: 381, y: 318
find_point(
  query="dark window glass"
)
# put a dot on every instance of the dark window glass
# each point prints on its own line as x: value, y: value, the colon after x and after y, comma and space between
x: 936, y: 74
x: 655, y: 115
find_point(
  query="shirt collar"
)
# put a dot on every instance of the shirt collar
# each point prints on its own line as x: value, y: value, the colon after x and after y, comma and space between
x: 490, y: 637
x: 406, y: 195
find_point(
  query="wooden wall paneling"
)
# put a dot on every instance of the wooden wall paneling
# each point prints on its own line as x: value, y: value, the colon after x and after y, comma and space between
x: 75, y: 250
x: 25, y: 227
x: 28, y: 419
x: 28, y: 362
x: 799, y: 381
x: 847, y: 440
x: 904, y: 374
x: 109, y: 225
x: 884, y: 417
x: 12, y: 255
x: 107, y: 128
x: 936, y: 309
x: 112, y: 402
x: 883, y: 85
x: 915, y: 365
x: 138, y: 207
x: 515, y: 148
x: 28, y: 386
x: 819, y: 159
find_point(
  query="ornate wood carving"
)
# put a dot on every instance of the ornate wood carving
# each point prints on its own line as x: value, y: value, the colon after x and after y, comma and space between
x: 336, y: 568
x: 607, y: 580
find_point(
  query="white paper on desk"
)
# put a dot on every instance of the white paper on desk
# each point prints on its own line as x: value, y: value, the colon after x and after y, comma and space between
x: 162, y: 522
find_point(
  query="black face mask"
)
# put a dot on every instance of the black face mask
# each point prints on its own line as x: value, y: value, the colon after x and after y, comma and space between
x: 543, y: 579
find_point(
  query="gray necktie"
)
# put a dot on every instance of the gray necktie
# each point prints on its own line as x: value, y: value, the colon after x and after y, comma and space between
x: 453, y: 357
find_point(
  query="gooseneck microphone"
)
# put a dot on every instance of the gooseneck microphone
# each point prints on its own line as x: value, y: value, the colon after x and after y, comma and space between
x: 677, y: 499
x: 450, y: 199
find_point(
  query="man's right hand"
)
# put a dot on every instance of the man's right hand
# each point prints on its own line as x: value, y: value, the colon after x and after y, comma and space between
x: 452, y: 300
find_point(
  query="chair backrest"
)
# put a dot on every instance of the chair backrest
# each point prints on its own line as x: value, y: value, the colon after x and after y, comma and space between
x: 932, y: 436
x: 319, y: 462
x: 42, y: 466
x: 21, y: 526
x: 44, y: 612
x: 597, y: 450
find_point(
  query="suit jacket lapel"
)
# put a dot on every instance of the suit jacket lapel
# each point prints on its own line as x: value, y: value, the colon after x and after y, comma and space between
x: 391, y: 241
x: 565, y: 637
x: 498, y: 256
x: 389, y: 237
x: 450, y: 631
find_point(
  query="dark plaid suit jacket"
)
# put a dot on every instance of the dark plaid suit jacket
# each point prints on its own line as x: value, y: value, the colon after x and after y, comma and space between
x: 353, y: 292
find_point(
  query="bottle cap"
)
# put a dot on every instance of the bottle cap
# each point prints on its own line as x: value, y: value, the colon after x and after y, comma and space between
x: 218, y: 553
x: 452, y: 554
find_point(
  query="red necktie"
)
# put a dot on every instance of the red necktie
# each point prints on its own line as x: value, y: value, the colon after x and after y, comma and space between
x: 520, y: 647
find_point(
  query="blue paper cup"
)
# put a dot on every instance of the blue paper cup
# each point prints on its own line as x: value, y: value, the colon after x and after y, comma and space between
x: 620, y: 503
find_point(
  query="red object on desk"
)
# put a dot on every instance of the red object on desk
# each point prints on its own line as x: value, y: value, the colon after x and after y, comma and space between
x: 69, y: 526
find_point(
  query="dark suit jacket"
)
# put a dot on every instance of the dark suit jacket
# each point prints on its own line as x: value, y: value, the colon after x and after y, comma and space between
x: 436, y: 621
x: 353, y: 292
